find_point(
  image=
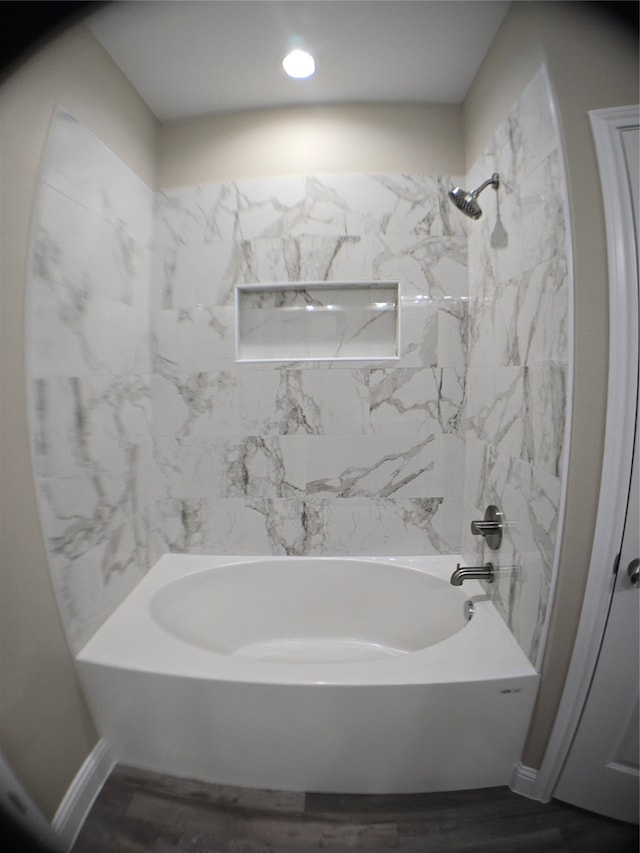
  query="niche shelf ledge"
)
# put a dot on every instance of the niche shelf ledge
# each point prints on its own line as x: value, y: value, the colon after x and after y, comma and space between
x: 317, y: 321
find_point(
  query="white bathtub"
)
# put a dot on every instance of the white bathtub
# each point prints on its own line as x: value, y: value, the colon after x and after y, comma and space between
x: 354, y: 675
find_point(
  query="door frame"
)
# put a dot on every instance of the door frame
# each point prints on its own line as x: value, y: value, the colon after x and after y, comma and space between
x: 606, y: 126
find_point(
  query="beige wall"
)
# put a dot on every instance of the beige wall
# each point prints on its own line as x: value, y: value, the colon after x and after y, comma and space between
x: 414, y: 138
x: 593, y: 64
x: 45, y: 732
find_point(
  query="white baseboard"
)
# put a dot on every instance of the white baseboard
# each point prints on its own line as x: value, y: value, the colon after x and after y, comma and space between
x: 524, y: 781
x: 81, y: 794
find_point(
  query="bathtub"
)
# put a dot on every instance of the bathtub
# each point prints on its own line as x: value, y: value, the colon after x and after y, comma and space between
x: 346, y: 675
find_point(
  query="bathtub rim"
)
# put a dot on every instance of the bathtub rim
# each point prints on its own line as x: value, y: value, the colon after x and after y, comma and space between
x: 130, y: 639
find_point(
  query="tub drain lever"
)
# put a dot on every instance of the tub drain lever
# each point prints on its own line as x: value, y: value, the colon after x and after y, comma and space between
x: 490, y: 527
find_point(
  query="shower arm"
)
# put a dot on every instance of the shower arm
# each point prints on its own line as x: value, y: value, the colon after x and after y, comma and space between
x: 493, y: 181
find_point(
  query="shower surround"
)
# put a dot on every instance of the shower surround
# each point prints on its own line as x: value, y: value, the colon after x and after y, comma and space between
x: 517, y: 376
x: 340, y: 457
x: 149, y: 437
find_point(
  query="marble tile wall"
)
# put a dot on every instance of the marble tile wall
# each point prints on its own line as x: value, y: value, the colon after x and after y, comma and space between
x: 309, y: 457
x: 89, y: 369
x: 518, y: 359
x: 148, y: 436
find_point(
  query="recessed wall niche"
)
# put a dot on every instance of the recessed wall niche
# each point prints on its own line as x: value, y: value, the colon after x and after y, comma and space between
x: 317, y: 321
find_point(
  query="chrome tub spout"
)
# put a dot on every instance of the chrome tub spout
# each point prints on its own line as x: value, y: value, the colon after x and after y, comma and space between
x: 472, y: 573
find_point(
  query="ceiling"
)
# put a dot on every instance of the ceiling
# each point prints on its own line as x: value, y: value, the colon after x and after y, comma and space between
x: 195, y: 57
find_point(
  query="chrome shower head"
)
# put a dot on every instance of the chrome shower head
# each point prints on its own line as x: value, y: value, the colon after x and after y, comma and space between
x: 467, y: 202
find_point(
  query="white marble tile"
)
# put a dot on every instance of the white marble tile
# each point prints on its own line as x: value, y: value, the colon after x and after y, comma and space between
x: 273, y: 402
x: 450, y: 453
x: 356, y: 204
x: 191, y: 469
x: 250, y: 466
x: 196, y: 245
x: 367, y: 204
x: 306, y: 258
x: 363, y: 527
x: 529, y: 500
x: 185, y: 526
x: 386, y: 466
x: 495, y: 408
x: 55, y: 345
x: 86, y: 424
x: 488, y: 331
x: 195, y: 404
x: 294, y: 401
x: 86, y: 596
x: 198, y: 340
x: 480, y: 458
x: 411, y: 525
x: 200, y: 274
x: 271, y: 207
x: 542, y: 212
x: 196, y: 215
x: 542, y: 321
x: 419, y: 332
x: 453, y: 338
x: 268, y: 466
x: 76, y: 245
x: 544, y: 416
x: 533, y: 595
x: 147, y: 486
x: 419, y: 402
x: 337, y: 401
x: 80, y: 514
x: 290, y: 525
x: 81, y: 167
x: 88, y: 293
x: 434, y: 267
x: 471, y: 547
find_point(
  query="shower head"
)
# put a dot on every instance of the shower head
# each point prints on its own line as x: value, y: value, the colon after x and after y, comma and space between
x: 467, y: 202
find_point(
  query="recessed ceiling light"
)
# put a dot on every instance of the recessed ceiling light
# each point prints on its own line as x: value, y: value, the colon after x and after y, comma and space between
x: 299, y: 64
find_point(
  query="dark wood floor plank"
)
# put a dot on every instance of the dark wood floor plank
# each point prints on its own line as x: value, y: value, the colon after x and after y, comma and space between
x: 141, y: 811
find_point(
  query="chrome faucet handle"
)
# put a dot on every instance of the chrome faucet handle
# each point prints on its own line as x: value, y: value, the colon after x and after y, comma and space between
x: 482, y: 528
x: 490, y: 527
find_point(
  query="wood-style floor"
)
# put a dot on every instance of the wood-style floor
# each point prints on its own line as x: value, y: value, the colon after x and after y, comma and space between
x: 138, y: 811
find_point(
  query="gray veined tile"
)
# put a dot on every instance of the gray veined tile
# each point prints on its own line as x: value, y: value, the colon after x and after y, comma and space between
x: 419, y: 332
x: 453, y: 333
x: 370, y: 466
x: 422, y: 402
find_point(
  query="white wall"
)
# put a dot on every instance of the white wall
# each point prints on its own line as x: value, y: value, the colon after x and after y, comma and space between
x: 45, y: 733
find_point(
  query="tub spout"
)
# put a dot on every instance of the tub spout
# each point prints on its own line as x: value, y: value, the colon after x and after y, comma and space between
x: 472, y: 573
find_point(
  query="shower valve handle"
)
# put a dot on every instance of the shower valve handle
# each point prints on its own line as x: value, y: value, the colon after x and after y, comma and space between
x: 490, y: 527
x: 483, y: 528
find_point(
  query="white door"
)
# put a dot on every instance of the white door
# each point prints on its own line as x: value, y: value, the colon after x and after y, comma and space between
x: 601, y: 771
